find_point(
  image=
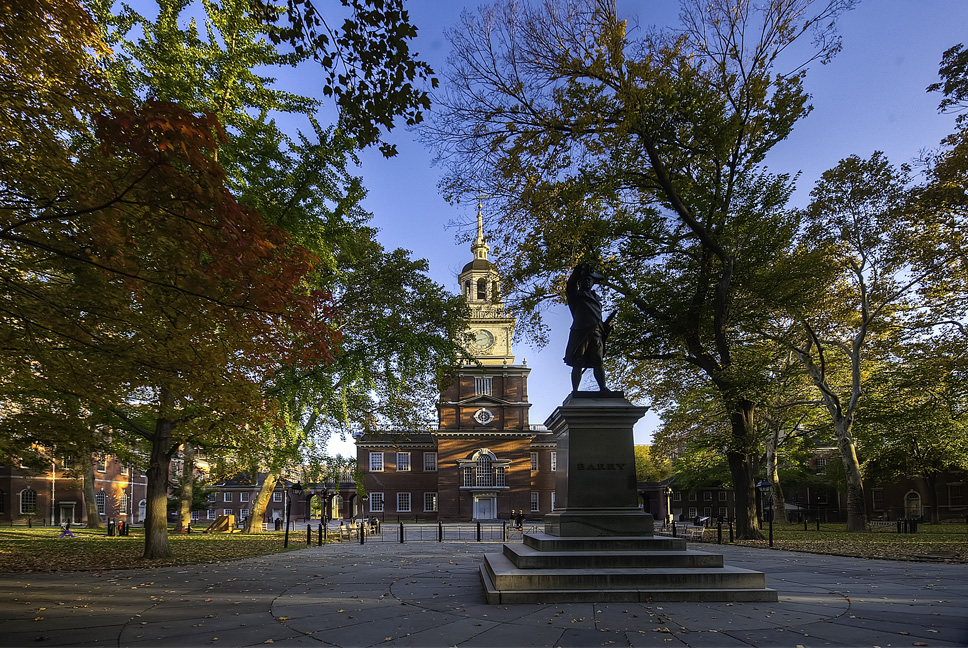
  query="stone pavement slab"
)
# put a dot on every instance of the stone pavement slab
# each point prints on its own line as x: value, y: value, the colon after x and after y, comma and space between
x: 430, y: 594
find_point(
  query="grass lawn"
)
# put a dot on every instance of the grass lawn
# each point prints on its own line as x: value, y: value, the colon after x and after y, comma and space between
x: 932, y: 542
x: 41, y: 550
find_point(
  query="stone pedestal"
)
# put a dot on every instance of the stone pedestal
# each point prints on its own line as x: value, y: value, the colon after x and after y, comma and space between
x: 596, y: 492
x: 598, y: 545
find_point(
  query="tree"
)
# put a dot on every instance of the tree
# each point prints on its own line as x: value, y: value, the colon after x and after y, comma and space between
x: 645, y: 158
x: 857, y: 222
x: 915, y: 420
x: 649, y: 467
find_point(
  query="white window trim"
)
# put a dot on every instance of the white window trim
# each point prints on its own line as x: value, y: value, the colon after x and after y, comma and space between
x: 375, y: 455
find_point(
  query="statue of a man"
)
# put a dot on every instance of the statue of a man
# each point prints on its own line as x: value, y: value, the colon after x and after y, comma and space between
x: 586, y: 341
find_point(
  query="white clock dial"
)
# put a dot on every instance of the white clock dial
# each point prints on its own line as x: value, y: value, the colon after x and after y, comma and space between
x: 482, y: 339
x: 483, y: 416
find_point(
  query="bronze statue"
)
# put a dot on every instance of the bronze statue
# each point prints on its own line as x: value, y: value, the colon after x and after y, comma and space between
x: 586, y: 341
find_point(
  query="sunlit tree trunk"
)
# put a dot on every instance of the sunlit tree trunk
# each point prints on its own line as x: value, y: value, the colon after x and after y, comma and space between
x: 254, y: 523
x: 187, y: 486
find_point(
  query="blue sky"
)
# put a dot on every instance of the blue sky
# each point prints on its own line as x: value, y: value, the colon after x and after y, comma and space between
x: 870, y: 97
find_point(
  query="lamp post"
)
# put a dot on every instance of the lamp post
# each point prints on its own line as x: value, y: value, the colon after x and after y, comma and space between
x: 295, y: 489
x: 765, y: 489
x: 668, y: 497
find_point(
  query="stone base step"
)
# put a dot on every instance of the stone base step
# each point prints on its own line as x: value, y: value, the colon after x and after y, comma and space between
x: 510, y: 597
x: 504, y: 582
x: 525, y: 557
x: 547, y: 542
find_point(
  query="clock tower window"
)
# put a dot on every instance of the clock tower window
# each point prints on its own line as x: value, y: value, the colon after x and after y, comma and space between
x: 482, y: 386
x: 482, y: 289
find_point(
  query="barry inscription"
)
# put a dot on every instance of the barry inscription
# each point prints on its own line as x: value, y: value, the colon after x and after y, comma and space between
x: 600, y: 466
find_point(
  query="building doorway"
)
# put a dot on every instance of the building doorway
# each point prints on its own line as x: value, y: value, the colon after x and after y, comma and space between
x: 485, y: 507
x: 912, y: 505
x: 67, y: 512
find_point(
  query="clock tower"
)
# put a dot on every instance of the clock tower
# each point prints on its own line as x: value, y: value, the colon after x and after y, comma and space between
x: 491, y: 329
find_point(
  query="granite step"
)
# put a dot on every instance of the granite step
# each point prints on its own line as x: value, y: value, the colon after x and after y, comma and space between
x: 547, y: 542
x: 525, y: 557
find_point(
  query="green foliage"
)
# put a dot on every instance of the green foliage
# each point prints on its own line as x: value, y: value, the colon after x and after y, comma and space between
x: 200, y: 493
x: 367, y: 62
x: 954, y: 81
x: 649, y: 468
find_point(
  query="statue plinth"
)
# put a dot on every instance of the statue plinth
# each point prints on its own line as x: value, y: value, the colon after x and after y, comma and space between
x: 596, y: 490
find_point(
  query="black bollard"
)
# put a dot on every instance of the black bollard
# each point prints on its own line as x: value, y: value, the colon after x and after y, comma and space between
x: 818, y: 523
x: 309, y: 535
x: 674, y: 535
x: 719, y: 533
x: 362, y: 533
x: 401, y: 533
x: 319, y: 536
x: 478, y: 530
x: 440, y: 531
x: 804, y: 522
x: 731, y: 531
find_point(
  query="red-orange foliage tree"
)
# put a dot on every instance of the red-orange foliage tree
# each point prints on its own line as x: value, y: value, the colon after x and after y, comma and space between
x: 130, y: 277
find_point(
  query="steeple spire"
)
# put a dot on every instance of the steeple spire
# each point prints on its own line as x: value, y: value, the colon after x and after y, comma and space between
x: 479, y: 247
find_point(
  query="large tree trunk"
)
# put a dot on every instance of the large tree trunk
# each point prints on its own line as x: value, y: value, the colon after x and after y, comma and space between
x: 856, y: 506
x: 742, y: 469
x: 159, y: 465
x: 254, y: 523
x: 187, y: 485
x: 90, y: 493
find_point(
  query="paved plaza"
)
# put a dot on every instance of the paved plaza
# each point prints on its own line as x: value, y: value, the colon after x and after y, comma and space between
x: 430, y: 594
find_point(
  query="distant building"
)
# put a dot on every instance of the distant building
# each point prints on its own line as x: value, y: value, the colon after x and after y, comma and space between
x: 56, y: 495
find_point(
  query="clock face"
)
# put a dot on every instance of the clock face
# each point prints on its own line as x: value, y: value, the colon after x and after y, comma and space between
x: 482, y: 339
x: 483, y: 416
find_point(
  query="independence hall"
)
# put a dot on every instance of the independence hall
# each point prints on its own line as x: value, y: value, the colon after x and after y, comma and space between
x: 484, y: 459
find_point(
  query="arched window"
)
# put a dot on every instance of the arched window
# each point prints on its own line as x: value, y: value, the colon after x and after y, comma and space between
x: 101, y: 502
x: 28, y: 501
x: 485, y: 468
x: 482, y: 288
x: 467, y: 288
